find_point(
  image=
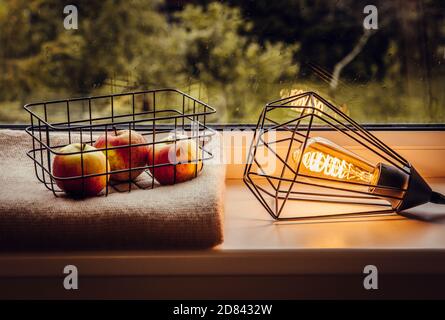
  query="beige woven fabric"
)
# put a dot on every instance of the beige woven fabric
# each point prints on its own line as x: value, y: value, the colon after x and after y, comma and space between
x: 185, y: 215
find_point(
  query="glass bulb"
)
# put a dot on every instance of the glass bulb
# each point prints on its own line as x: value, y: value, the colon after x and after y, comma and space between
x: 324, y: 159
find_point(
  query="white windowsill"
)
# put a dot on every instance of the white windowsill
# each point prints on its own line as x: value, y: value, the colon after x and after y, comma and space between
x: 254, y: 244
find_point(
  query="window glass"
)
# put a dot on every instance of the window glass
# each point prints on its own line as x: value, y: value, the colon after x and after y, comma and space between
x: 383, y: 63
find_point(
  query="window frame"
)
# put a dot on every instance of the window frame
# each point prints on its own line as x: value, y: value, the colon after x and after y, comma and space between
x: 223, y: 127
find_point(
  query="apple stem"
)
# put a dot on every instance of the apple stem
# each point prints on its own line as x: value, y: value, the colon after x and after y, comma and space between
x: 83, y: 146
x: 115, y: 130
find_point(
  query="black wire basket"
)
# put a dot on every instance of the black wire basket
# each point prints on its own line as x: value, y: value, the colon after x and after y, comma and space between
x: 160, y: 116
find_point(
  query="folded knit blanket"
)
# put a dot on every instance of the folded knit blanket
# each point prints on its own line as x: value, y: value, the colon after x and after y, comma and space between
x: 185, y: 215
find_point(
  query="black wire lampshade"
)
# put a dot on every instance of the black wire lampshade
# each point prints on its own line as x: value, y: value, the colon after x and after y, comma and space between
x: 318, y: 162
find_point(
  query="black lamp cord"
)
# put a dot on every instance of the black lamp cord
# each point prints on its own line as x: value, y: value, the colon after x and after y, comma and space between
x: 437, y: 197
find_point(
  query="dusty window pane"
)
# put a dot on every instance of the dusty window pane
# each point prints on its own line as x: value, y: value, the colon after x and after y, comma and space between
x: 380, y: 64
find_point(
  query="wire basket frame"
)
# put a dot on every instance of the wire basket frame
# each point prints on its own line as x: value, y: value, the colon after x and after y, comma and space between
x: 160, y: 116
x: 275, y: 169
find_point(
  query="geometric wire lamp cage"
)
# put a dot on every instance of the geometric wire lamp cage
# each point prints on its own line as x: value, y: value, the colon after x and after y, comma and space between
x: 309, y: 160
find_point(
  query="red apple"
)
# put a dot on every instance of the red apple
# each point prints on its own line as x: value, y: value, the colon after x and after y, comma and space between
x: 119, y: 159
x: 166, y: 153
x: 70, y: 165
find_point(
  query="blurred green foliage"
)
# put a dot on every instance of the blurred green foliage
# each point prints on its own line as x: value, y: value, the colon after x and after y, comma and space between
x: 237, y: 55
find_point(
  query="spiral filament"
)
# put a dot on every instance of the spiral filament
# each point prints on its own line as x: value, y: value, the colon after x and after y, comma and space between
x: 333, y: 167
x: 324, y: 159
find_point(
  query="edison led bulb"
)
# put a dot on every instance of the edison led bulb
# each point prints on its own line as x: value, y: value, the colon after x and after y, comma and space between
x: 330, y: 163
x: 324, y: 159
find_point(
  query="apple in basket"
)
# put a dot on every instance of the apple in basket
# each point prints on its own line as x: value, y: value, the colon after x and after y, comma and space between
x: 119, y: 158
x: 68, y: 164
x: 184, y: 152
